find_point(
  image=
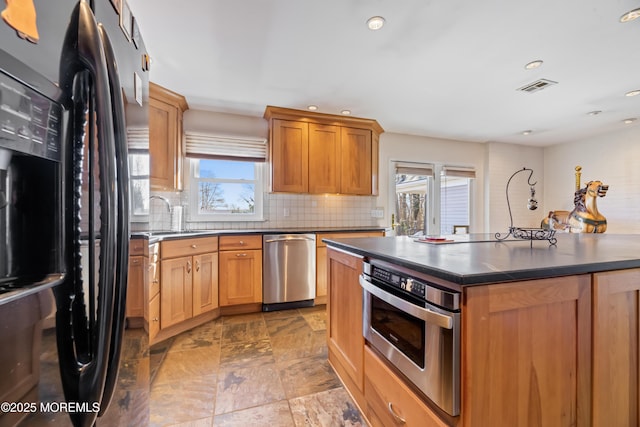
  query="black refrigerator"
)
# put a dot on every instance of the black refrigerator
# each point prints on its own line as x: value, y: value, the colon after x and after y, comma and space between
x: 72, y: 75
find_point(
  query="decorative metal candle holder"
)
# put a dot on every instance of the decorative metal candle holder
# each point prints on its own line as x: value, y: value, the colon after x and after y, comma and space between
x: 530, y: 234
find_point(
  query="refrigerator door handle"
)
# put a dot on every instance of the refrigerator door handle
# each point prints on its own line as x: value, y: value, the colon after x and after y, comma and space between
x: 122, y: 244
x: 84, y: 338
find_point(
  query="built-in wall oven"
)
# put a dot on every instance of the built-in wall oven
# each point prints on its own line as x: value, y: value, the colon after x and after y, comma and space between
x: 415, y: 325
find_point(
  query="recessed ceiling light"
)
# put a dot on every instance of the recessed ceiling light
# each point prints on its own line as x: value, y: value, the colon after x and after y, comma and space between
x: 527, y: 132
x: 345, y: 112
x: 594, y: 112
x: 312, y: 107
x: 375, y: 22
x: 629, y: 121
x: 631, y: 15
x: 633, y: 93
x: 533, y: 64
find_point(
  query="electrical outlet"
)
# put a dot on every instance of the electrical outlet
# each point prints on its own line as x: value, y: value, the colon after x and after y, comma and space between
x: 377, y: 213
x: 286, y: 212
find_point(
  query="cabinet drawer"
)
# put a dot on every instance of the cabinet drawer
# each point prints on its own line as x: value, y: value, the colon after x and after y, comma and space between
x: 185, y: 247
x: 138, y: 247
x: 240, y: 242
x: 346, y: 235
x: 385, y: 392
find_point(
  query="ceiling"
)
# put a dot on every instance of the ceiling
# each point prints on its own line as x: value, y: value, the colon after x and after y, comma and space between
x: 440, y: 68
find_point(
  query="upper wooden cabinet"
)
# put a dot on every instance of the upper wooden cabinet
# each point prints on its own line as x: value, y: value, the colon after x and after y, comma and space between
x: 322, y: 153
x: 165, y: 138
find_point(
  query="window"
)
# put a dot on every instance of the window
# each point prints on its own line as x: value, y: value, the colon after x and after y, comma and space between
x: 225, y: 190
x: 226, y: 176
x: 139, y: 183
x: 419, y: 209
x: 138, y: 145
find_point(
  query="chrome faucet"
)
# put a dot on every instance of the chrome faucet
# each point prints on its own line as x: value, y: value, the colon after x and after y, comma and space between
x: 164, y: 199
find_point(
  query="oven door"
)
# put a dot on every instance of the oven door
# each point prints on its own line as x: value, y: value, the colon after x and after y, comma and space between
x: 422, y: 341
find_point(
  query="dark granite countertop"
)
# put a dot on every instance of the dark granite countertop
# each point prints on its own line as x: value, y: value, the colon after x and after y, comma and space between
x: 168, y: 235
x: 479, y: 259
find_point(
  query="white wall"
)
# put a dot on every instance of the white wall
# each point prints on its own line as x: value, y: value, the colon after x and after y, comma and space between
x: 502, y: 161
x: 613, y: 159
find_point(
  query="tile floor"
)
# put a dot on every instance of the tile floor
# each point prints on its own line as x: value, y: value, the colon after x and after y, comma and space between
x: 260, y: 369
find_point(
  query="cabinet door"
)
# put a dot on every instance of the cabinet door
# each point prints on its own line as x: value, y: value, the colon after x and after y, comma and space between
x: 290, y: 156
x: 205, y: 283
x: 321, y: 272
x: 135, y: 287
x: 324, y: 158
x: 154, y: 317
x: 163, y: 149
x: 526, y: 353
x: 355, y: 161
x: 616, y: 348
x: 240, y: 277
x: 176, y: 303
x: 344, y: 320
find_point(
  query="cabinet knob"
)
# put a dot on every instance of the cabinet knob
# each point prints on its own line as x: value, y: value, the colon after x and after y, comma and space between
x: 156, y: 281
x: 395, y: 416
x: 194, y: 246
x: 242, y: 243
x: 135, y: 261
x: 155, y: 319
x: 188, y: 266
x: 241, y: 255
x: 197, y: 265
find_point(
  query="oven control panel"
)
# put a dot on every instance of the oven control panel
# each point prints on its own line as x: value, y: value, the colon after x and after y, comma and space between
x: 406, y: 284
x: 420, y: 289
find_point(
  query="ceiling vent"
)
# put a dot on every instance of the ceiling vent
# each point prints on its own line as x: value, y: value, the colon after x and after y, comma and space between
x: 537, y: 85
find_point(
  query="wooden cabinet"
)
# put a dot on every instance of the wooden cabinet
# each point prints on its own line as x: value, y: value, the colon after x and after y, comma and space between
x: 526, y: 353
x: 322, y: 153
x: 344, y: 321
x: 321, y: 258
x: 152, y: 312
x: 137, y: 278
x: 616, y: 348
x: 188, y: 283
x: 290, y: 156
x: 355, y: 161
x: 389, y: 401
x: 165, y: 138
x: 240, y: 270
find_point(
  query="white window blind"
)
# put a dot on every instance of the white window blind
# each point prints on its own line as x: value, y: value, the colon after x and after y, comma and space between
x: 459, y: 172
x: 414, y: 169
x: 225, y: 147
x: 137, y: 139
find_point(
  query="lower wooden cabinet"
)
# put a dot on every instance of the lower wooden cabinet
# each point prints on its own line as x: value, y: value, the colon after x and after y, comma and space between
x: 240, y: 277
x: 205, y: 280
x: 526, y: 353
x: 389, y: 402
x: 176, y: 302
x: 344, y: 321
x: 616, y: 348
x: 240, y: 270
x: 189, y: 283
x: 137, y: 278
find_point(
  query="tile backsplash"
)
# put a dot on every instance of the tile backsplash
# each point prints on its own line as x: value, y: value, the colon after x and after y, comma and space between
x: 279, y: 211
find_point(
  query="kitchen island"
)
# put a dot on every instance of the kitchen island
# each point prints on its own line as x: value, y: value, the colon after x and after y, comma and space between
x: 549, y: 334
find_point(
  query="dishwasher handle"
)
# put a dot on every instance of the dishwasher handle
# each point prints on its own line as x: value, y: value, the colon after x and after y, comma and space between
x: 290, y: 239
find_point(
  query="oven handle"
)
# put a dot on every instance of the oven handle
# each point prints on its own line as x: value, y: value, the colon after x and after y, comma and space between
x: 425, y: 314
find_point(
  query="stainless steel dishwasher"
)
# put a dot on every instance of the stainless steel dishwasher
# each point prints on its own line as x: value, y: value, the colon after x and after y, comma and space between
x: 289, y: 271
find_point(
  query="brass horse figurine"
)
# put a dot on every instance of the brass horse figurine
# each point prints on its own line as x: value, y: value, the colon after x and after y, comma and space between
x: 585, y: 217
